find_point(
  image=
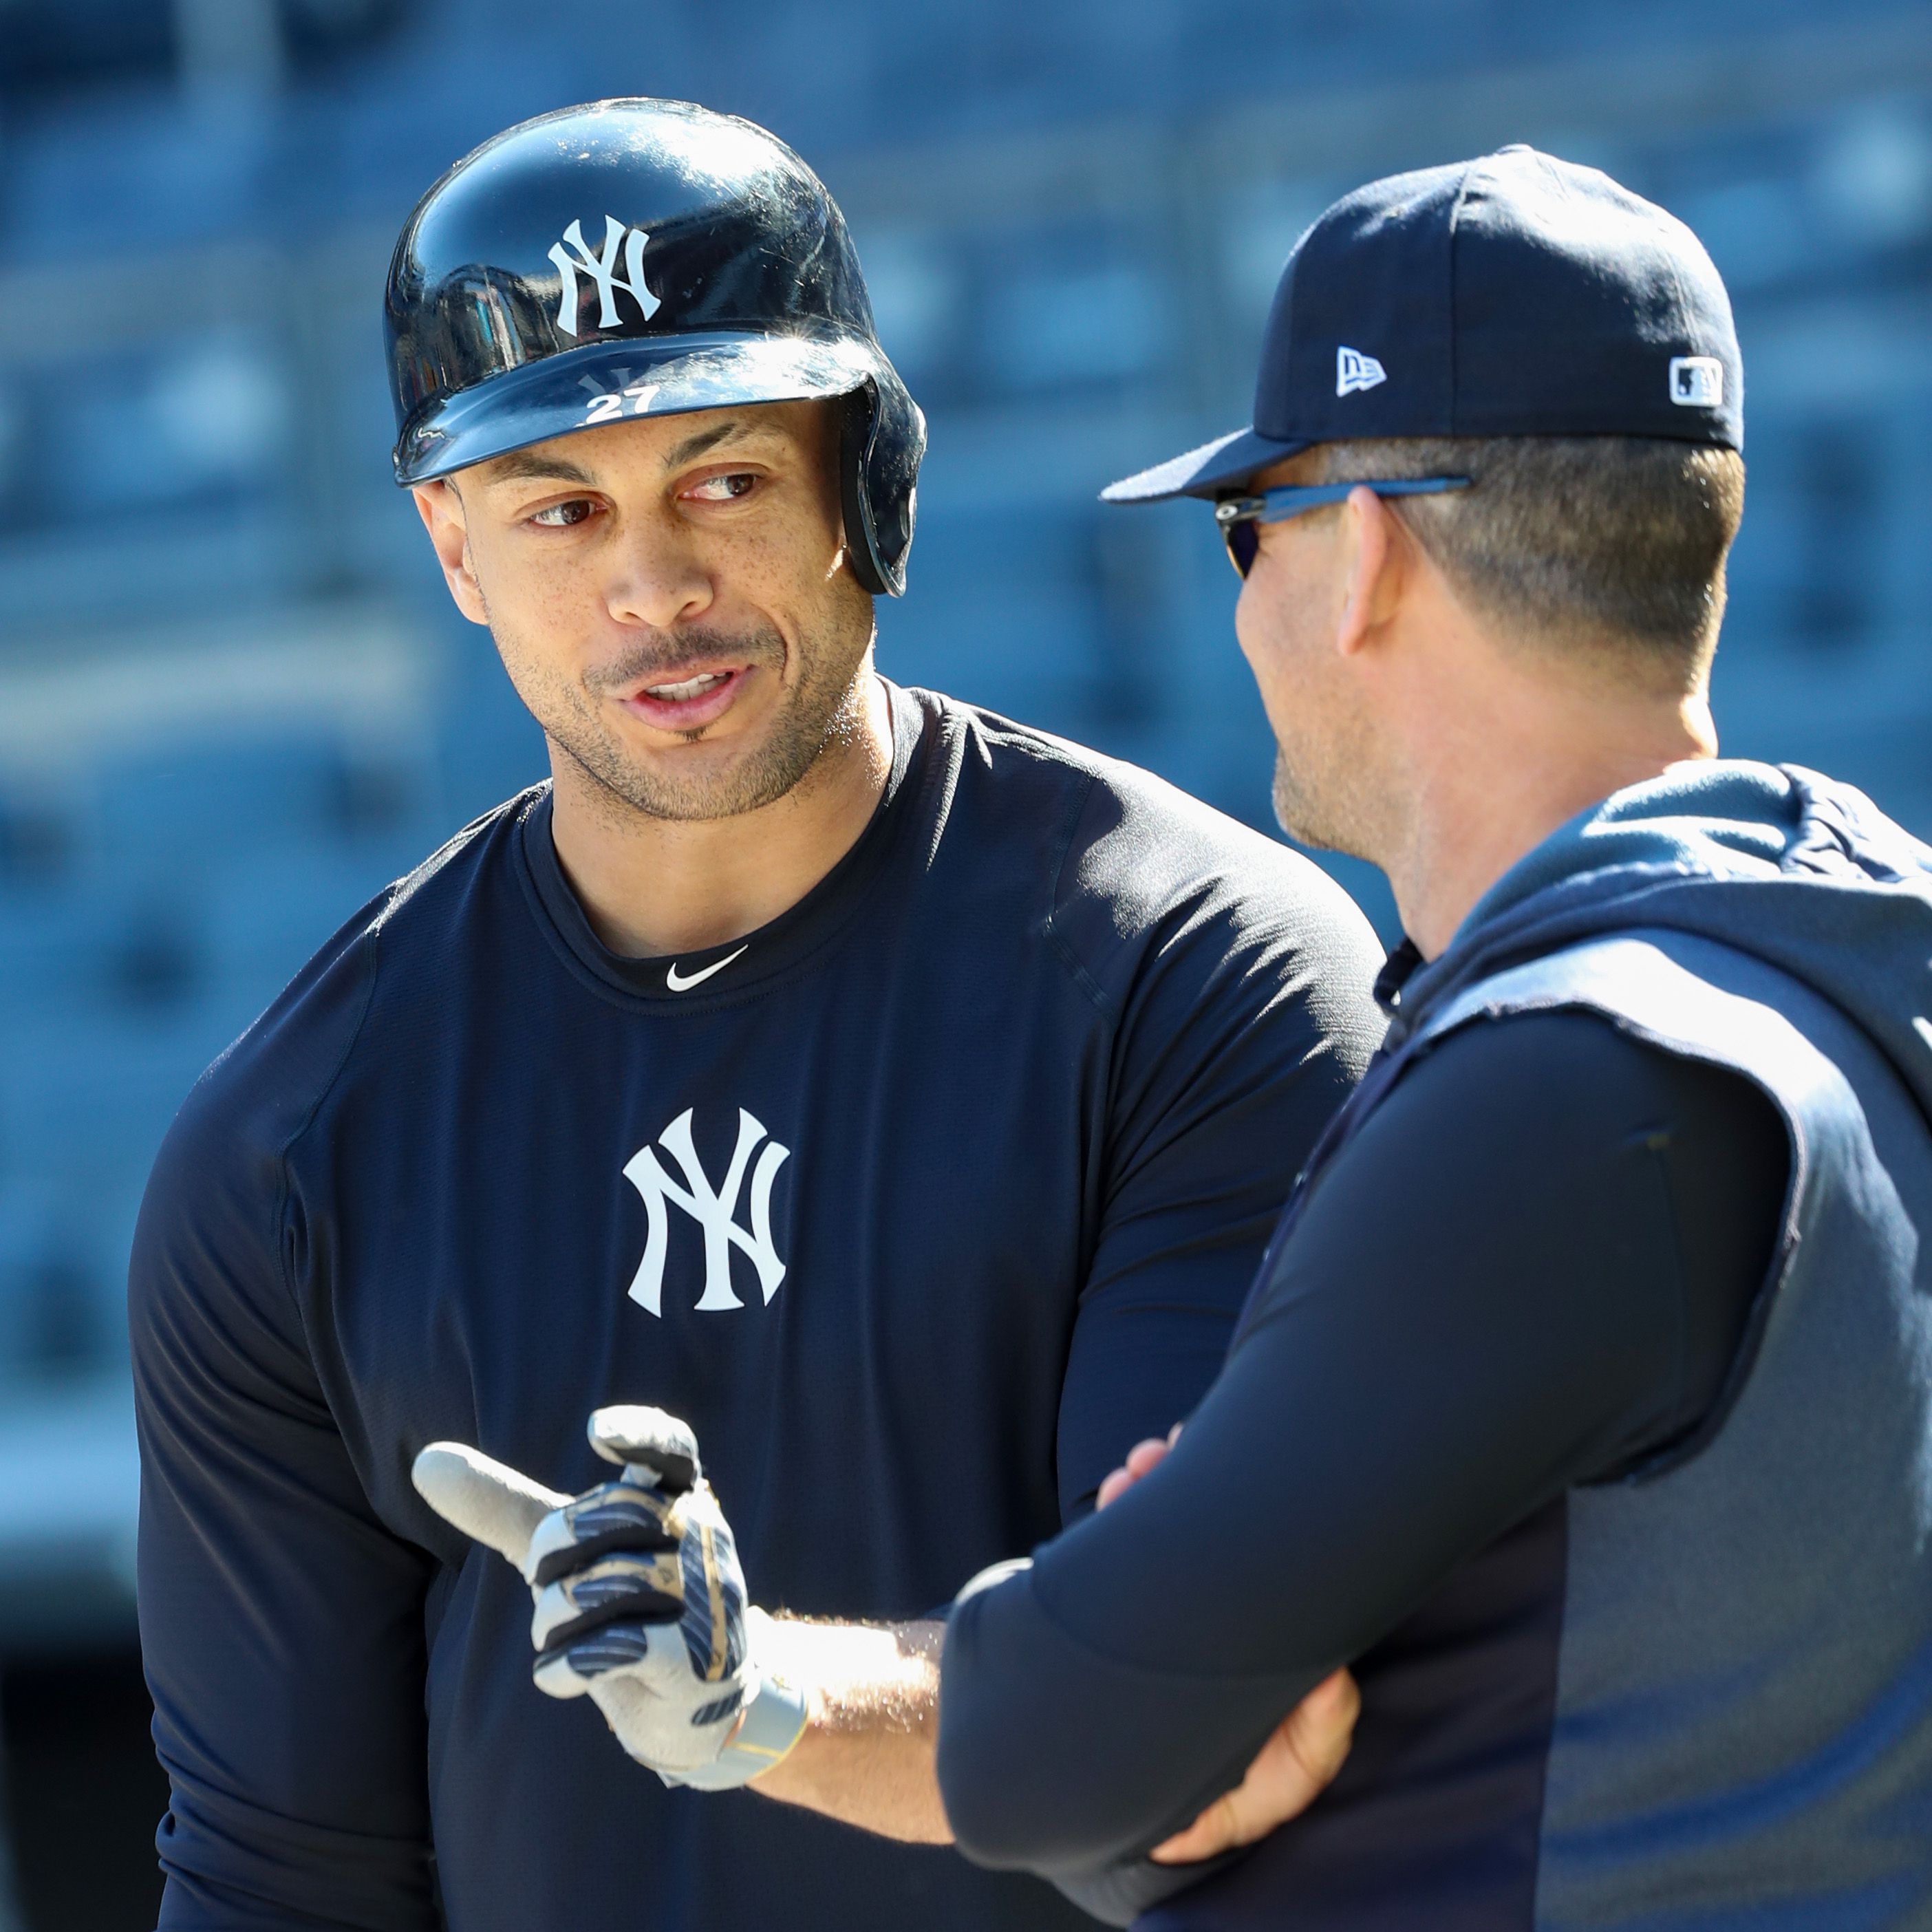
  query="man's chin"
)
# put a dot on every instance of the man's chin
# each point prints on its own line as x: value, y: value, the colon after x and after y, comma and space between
x: 1303, y: 819
x: 1293, y: 814
x: 715, y: 774
x: 665, y: 789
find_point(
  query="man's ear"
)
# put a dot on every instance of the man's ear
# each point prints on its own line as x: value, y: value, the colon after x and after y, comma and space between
x: 1377, y: 557
x: 441, y: 509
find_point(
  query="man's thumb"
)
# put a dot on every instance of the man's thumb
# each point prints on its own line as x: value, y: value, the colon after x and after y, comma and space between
x: 484, y: 1498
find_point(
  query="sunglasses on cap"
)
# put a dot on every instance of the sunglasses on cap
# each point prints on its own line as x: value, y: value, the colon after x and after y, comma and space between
x: 1241, y: 517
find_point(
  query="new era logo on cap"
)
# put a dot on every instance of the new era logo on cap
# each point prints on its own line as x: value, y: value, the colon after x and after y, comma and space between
x: 1697, y: 381
x: 1353, y: 370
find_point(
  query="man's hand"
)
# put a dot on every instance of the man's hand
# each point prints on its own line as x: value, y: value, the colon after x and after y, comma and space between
x: 1143, y: 1459
x: 640, y: 1603
x: 1293, y: 1769
x: 1300, y: 1759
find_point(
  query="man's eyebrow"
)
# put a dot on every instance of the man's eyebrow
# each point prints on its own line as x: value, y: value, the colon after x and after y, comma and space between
x: 538, y: 466
x: 533, y: 465
x: 706, y: 438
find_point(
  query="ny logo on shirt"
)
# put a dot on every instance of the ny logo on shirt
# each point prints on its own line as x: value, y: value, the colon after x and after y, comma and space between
x: 715, y: 1209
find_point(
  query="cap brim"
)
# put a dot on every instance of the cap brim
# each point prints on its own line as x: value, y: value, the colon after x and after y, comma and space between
x: 1223, y: 464
x: 608, y: 382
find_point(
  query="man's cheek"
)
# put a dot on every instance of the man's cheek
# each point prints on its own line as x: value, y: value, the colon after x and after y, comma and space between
x: 1260, y: 632
x: 1247, y: 621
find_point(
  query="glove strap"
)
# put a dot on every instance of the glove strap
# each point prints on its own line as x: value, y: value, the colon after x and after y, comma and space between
x: 774, y: 1721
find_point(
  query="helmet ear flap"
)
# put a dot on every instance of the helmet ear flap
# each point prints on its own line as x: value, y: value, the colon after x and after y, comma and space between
x: 861, y: 546
x: 879, y: 459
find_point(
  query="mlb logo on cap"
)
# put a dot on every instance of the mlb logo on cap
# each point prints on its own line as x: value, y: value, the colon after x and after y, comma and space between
x: 1696, y: 382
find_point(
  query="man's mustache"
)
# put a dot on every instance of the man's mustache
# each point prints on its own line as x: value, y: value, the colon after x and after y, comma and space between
x: 667, y: 661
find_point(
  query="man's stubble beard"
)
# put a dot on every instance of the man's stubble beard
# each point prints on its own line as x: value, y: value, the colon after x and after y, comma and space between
x: 1328, y: 801
x: 822, y: 710
x: 1293, y: 810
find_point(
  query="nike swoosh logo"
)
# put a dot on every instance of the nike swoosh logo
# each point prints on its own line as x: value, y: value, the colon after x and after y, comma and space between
x: 680, y: 982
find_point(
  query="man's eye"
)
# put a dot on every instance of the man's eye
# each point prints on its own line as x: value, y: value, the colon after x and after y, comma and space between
x: 724, y: 489
x: 561, y: 516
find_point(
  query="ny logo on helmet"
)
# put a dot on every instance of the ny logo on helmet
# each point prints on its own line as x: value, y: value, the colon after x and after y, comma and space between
x: 715, y: 1209
x: 602, y: 270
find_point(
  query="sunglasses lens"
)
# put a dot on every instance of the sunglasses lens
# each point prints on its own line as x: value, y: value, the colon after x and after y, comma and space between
x: 1244, y: 541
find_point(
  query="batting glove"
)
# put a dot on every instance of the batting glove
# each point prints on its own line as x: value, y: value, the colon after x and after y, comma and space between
x: 640, y: 1599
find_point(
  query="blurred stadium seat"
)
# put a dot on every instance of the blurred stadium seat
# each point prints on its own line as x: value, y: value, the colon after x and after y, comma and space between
x: 233, y: 701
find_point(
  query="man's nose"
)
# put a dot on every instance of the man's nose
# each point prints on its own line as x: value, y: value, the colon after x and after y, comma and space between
x: 657, y: 579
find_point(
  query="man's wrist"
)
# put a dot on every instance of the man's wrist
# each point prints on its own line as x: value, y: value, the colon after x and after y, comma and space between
x: 865, y: 1753
x: 776, y: 1714
x: 774, y: 1718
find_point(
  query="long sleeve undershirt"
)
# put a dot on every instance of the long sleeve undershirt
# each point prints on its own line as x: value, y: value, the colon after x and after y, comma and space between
x: 1531, y: 1269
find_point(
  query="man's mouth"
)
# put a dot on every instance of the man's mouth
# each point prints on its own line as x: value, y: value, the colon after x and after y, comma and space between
x: 690, y: 702
x: 688, y: 688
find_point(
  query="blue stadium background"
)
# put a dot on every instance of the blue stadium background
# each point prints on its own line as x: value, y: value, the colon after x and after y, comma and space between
x: 234, y: 699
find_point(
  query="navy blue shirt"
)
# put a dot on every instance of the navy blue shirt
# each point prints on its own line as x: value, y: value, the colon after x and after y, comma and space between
x: 1534, y: 1268
x: 921, y: 1204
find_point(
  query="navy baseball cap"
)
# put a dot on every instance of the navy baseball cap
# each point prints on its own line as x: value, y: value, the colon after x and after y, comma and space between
x: 1514, y: 295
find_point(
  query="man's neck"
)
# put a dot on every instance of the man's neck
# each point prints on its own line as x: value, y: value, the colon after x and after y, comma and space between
x: 1522, y: 770
x: 654, y: 886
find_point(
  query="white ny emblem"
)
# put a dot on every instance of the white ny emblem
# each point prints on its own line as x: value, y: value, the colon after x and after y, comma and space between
x: 715, y: 1209
x: 602, y: 269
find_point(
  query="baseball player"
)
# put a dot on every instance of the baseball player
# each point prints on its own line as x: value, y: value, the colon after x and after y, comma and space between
x: 901, y: 1096
x: 1584, y: 1401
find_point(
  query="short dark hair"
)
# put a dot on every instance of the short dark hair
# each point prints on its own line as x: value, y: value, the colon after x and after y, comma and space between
x: 1612, y: 544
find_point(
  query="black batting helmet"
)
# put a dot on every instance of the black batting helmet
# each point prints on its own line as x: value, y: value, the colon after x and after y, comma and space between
x: 642, y: 258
